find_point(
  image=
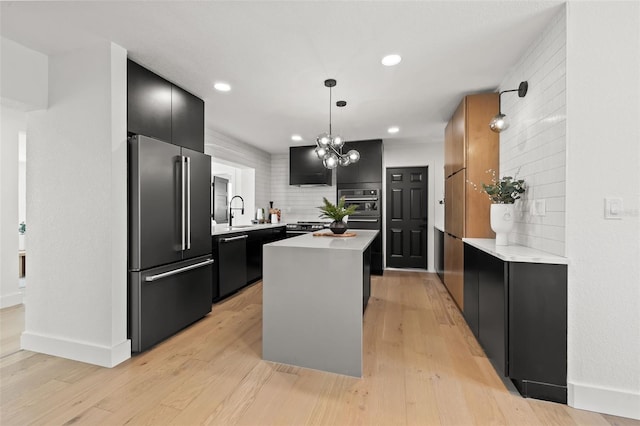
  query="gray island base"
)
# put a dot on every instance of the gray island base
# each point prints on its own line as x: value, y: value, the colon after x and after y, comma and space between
x: 313, y: 294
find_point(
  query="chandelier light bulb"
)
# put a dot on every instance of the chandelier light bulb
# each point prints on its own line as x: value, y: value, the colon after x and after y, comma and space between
x: 499, y: 123
x: 337, y: 142
x: 324, y: 140
x: 344, y: 161
x: 354, y: 156
x: 321, y: 152
x: 330, y: 161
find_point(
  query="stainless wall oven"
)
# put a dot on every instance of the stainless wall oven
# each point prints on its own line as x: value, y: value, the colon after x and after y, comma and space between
x: 367, y: 201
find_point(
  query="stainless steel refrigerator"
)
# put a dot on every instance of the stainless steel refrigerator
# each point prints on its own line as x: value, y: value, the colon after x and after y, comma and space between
x: 170, y: 252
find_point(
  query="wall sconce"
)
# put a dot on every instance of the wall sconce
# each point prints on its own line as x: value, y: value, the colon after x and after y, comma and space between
x: 499, y: 122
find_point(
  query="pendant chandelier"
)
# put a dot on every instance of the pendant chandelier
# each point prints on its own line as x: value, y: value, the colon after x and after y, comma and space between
x: 329, y: 146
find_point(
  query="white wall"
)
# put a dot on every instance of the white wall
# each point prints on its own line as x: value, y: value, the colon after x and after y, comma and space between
x: 603, y: 146
x: 423, y: 154
x: 76, y: 210
x: 13, y: 121
x: 228, y: 149
x: 297, y: 203
x: 534, y: 147
x: 23, y: 76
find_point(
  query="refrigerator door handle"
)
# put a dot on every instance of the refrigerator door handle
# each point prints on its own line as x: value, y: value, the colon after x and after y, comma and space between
x: 188, y: 160
x: 183, y: 244
x: 178, y: 271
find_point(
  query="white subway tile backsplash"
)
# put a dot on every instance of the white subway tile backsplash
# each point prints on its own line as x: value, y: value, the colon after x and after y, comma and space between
x: 534, y: 147
x: 297, y: 203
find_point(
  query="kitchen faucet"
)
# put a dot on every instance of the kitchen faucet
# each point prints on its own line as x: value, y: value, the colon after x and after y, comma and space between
x: 231, y: 209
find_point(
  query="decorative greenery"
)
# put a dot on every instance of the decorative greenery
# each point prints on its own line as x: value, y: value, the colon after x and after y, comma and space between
x: 336, y: 212
x: 22, y: 228
x: 506, y: 190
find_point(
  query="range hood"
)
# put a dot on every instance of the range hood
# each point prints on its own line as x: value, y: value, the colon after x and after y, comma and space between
x: 306, y: 169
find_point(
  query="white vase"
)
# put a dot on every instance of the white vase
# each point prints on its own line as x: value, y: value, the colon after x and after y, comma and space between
x: 502, y: 222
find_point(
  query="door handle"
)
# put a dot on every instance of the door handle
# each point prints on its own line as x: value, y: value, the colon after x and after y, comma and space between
x: 228, y: 240
x: 183, y: 244
x: 188, y: 161
x: 178, y: 271
x: 362, y: 220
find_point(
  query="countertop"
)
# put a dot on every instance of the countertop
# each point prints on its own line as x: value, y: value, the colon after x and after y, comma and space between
x: 224, y: 228
x: 360, y: 242
x: 515, y: 253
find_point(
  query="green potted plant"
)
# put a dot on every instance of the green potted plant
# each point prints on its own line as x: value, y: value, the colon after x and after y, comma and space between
x: 503, y: 193
x: 336, y: 212
x: 506, y: 190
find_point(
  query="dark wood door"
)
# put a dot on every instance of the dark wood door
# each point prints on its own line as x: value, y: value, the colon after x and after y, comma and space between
x: 407, y: 217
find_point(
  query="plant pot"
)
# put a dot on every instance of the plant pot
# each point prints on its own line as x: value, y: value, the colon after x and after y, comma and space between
x: 338, y: 227
x: 502, y: 222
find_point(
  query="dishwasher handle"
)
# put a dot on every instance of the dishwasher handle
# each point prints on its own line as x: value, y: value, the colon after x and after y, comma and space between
x: 178, y: 271
x: 228, y: 240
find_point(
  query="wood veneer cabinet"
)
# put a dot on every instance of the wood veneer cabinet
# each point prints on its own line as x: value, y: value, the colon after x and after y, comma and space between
x: 471, y: 149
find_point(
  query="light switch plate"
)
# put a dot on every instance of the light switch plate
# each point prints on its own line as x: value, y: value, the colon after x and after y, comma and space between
x: 613, y: 208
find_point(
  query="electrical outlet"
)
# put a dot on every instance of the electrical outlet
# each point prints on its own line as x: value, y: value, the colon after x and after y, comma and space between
x: 613, y: 208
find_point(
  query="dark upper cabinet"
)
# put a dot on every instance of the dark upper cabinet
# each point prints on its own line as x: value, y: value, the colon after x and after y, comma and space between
x: 148, y: 103
x: 160, y: 109
x: 187, y: 119
x: 368, y: 169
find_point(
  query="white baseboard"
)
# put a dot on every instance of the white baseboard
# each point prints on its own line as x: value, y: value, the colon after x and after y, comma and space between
x: 604, y: 400
x: 103, y: 356
x: 12, y: 299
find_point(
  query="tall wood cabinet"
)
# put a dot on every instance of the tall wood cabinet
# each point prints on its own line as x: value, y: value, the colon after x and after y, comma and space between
x: 471, y: 149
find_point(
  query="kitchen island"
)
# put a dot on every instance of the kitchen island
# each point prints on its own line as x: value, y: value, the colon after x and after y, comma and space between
x: 314, y: 292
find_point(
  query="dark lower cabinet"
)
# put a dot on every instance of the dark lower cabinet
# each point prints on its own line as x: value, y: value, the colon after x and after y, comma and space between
x: 518, y: 312
x: 366, y: 277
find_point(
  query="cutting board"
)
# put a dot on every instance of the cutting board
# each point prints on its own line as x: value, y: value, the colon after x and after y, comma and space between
x: 331, y: 234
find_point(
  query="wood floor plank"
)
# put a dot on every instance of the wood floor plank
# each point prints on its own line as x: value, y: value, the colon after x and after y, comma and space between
x: 421, y: 366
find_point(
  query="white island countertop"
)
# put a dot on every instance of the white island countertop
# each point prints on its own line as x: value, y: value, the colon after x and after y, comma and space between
x: 358, y: 243
x: 515, y: 253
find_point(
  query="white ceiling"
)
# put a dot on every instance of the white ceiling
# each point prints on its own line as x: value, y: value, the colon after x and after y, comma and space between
x: 276, y: 55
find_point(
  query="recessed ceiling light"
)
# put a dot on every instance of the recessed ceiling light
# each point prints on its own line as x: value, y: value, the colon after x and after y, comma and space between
x: 222, y: 87
x: 393, y: 129
x: 296, y: 138
x: 391, y: 60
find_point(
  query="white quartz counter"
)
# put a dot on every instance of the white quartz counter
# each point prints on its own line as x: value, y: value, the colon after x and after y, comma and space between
x: 515, y: 253
x: 360, y: 242
x: 224, y: 228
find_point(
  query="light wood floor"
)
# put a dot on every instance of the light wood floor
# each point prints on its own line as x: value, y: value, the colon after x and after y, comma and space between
x: 421, y: 367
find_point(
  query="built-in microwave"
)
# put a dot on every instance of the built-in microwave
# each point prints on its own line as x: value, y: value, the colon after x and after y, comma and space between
x: 366, y: 200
